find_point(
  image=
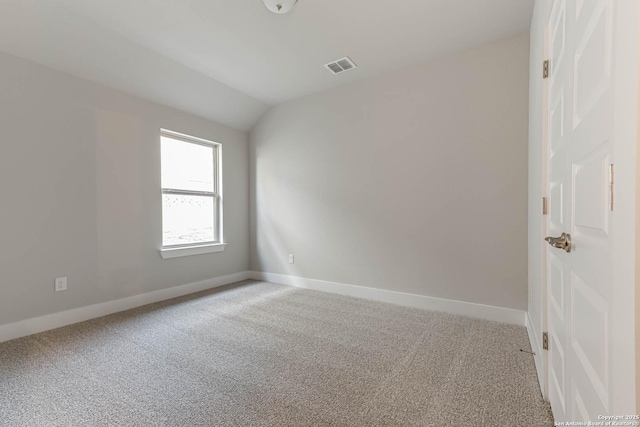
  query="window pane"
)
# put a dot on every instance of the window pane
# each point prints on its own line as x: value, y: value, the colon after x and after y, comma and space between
x: 187, y: 219
x: 187, y: 166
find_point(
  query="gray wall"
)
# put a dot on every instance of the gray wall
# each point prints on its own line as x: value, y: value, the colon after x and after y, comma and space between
x: 415, y: 181
x: 80, y: 176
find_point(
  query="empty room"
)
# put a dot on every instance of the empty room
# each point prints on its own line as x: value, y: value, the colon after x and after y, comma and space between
x: 319, y: 213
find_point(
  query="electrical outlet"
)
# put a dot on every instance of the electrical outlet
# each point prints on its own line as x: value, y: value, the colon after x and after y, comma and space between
x: 291, y: 259
x: 61, y: 284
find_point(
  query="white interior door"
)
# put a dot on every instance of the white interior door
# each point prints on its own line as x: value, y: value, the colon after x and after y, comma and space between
x: 580, y: 155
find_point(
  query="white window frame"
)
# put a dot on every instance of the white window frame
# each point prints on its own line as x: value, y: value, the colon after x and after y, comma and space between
x: 218, y: 244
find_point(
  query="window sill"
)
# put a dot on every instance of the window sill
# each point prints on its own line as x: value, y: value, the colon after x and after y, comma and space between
x: 191, y: 250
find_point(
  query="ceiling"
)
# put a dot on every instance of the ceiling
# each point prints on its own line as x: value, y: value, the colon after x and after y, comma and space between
x: 229, y: 60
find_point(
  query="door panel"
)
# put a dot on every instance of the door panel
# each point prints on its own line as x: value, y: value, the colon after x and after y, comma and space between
x: 557, y: 36
x: 590, y: 195
x: 556, y: 122
x: 557, y: 370
x: 556, y: 208
x: 592, y: 61
x: 556, y: 293
x: 589, y: 334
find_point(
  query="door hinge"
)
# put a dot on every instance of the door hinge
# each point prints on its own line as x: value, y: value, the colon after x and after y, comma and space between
x: 611, y: 186
x: 545, y: 340
x: 545, y: 69
x: 545, y: 206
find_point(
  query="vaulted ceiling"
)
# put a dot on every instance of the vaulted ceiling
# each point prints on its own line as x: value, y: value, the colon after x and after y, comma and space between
x: 229, y: 60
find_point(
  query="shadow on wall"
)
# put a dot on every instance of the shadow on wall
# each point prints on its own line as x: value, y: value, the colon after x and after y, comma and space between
x: 268, y: 240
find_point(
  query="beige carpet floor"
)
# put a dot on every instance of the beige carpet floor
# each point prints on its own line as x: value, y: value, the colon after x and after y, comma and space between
x: 259, y: 354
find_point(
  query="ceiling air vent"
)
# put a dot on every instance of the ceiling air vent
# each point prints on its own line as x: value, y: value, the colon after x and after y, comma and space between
x: 341, y: 65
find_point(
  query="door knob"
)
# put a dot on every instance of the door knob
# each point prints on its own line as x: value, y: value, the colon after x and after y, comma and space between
x: 562, y: 242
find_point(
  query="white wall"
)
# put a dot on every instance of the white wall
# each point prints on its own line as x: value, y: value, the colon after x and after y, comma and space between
x: 415, y: 181
x: 80, y: 176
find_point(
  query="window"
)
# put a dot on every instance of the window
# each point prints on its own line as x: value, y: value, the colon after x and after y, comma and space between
x: 191, y: 195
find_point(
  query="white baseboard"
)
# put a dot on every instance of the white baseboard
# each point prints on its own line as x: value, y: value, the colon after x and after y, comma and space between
x: 56, y: 320
x: 534, y: 339
x: 488, y: 312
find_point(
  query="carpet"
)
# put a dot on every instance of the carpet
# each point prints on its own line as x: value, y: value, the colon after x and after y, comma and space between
x: 260, y: 354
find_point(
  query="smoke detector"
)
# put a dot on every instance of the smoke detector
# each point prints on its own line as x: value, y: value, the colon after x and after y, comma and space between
x: 341, y: 65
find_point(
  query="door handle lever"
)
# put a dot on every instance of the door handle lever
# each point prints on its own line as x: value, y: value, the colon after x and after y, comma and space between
x: 562, y: 242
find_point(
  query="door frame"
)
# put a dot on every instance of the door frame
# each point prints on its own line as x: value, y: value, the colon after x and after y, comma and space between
x: 626, y: 24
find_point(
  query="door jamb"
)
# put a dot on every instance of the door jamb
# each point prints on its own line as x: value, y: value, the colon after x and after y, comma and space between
x: 544, y: 226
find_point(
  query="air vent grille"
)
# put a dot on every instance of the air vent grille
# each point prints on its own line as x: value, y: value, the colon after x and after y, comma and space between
x: 335, y: 68
x: 341, y: 65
